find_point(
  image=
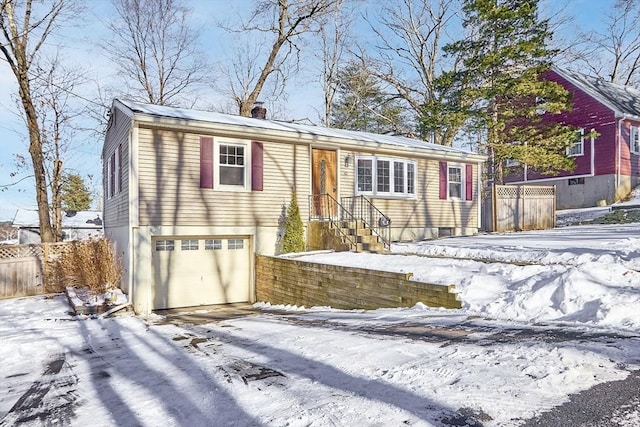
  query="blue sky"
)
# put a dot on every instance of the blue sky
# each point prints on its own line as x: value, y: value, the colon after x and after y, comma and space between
x: 304, y: 93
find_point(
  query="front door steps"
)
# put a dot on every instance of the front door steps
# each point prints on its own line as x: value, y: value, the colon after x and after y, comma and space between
x: 358, y: 236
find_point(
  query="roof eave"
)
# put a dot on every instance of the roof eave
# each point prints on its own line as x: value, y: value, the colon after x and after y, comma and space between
x: 596, y: 95
x: 248, y: 132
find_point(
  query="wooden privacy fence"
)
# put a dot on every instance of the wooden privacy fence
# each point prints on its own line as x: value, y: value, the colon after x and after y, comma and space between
x: 21, y: 270
x: 519, y: 207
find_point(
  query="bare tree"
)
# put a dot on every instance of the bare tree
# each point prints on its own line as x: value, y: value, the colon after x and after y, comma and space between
x: 156, y: 51
x: 20, y: 25
x: 614, y: 52
x: 283, y: 23
x: 52, y: 96
x: 334, y: 37
x: 409, y: 37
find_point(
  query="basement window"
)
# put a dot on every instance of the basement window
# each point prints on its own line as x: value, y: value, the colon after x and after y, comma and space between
x: 576, y: 181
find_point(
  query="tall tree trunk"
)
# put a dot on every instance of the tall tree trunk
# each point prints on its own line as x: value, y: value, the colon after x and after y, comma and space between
x: 56, y: 200
x: 37, y: 159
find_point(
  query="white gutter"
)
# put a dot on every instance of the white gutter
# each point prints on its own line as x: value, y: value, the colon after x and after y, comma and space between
x: 586, y: 175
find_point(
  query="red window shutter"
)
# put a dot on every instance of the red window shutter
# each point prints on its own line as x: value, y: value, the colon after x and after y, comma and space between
x: 257, y: 165
x: 443, y: 180
x: 112, y: 175
x: 206, y: 162
x: 119, y: 188
x: 468, y: 181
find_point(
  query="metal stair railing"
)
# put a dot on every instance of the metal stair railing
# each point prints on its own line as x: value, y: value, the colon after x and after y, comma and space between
x: 363, y: 210
x: 324, y: 207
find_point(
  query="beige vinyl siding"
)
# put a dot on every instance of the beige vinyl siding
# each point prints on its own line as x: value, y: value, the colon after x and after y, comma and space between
x: 116, y: 209
x: 169, y: 183
x: 426, y: 209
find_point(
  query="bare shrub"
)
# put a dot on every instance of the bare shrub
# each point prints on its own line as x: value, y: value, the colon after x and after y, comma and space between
x: 83, y: 263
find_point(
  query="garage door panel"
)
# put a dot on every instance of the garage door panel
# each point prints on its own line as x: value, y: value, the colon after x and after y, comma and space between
x: 209, y: 274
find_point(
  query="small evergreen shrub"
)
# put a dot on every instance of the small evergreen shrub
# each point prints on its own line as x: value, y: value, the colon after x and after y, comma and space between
x: 293, y: 239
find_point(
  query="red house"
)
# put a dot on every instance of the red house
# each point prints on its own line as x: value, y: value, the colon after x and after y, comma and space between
x: 607, y: 166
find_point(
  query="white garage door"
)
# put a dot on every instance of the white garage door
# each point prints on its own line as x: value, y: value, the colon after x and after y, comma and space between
x: 190, y: 271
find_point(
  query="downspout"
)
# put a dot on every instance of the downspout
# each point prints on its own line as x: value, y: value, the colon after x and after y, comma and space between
x: 619, y: 155
x: 132, y: 203
x: 526, y: 169
x: 480, y: 189
x: 593, y: 153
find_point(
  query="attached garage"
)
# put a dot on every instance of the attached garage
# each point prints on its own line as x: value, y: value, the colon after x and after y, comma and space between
x: 191, y: 271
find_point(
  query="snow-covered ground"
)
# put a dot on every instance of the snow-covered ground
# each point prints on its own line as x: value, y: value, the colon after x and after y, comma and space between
x: 586, y: 274
x: 555, y: 313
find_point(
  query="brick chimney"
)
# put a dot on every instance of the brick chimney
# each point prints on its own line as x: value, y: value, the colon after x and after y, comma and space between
x: 258, y: 111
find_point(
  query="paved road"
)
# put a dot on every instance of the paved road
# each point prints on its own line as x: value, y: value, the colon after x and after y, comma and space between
x: 604, y: 405
x: 54, y: 396
x: 610, y: 404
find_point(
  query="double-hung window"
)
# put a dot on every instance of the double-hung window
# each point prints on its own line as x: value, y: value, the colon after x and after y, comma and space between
x: 379, y: 176
x: 232, y: 164
x: 455, y: 182
x: 634, y: 142
x: 577, y: 148
x: 364, y: 174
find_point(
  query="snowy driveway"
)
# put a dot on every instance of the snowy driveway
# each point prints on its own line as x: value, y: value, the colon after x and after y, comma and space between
x: 321, y: 367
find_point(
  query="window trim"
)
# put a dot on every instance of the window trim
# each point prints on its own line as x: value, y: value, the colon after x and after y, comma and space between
x: 108, y: 178
x: 579, y: 143
x: 391, y: 161
x: 634, y: 140
x: 119, y: 167
x: 246, y: 145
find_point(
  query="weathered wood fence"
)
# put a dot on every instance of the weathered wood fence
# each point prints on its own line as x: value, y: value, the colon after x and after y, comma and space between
x: 519, y: 207
x: 21, y: 270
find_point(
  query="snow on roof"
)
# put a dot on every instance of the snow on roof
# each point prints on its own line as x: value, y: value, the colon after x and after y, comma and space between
x: 70, y: 219
x: 625, y: 100
x: 294, y: 128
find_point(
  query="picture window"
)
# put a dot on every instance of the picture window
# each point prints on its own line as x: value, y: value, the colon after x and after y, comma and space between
x: 377, y: 176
